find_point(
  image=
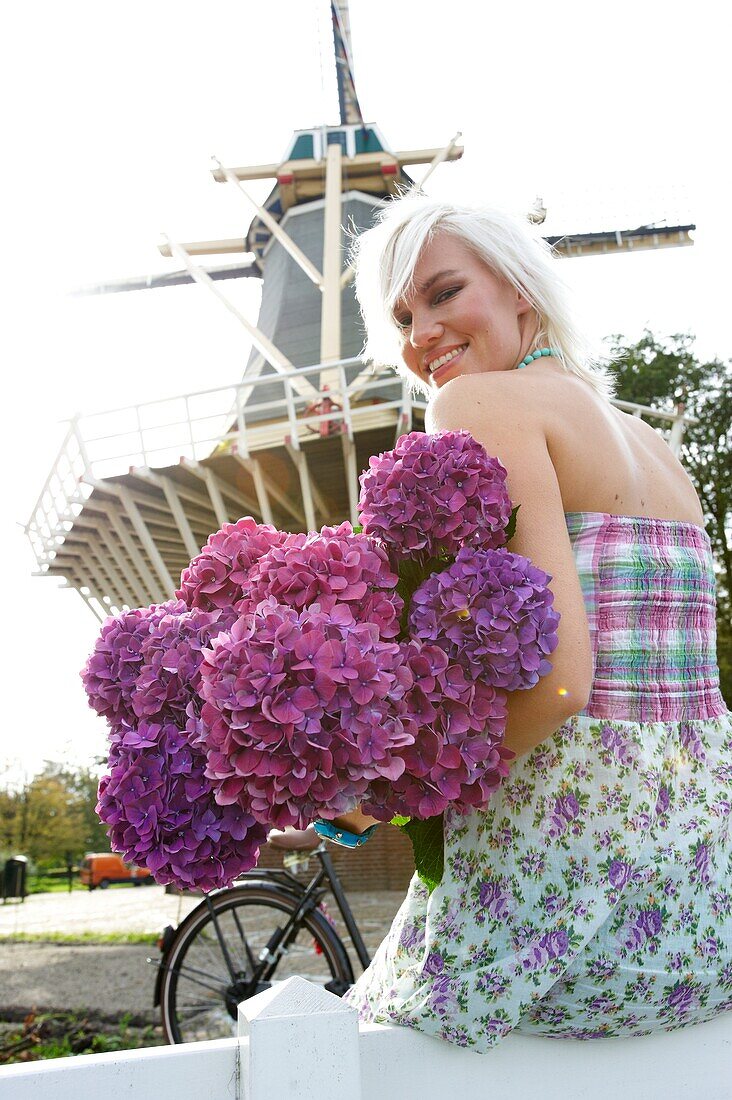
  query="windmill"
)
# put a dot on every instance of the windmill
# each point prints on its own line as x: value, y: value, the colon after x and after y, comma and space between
x: 134, y: 493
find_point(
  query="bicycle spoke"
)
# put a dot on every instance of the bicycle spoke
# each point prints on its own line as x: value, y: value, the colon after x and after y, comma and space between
x: 244, y: 940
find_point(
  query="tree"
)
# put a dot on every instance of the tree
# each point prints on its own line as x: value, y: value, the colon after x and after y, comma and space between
x: 663, y: 374
x: 52, y: 817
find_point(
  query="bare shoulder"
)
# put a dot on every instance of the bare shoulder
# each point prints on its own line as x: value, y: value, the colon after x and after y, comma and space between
x: 514, y: 397
x: 511, y: 429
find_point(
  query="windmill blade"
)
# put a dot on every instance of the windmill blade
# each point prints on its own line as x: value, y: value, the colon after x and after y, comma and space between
x: 350, y: 108
x: 169, y: 278
x: 622, y: 240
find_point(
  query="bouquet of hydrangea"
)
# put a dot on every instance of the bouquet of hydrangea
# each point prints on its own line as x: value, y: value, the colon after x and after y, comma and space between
x: 298, y: 676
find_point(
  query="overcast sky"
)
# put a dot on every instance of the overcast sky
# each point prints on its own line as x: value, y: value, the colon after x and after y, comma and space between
x: 616, y: 116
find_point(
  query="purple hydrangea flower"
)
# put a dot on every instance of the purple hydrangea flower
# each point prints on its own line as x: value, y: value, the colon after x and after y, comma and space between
x: 301, y: 711
x: 110, y: 674
x: 218, y: 576
x: 433, y: 494
x: 169, y: 677
x: 491, y: 612
x: 162, y: 815
x: 333, y: 567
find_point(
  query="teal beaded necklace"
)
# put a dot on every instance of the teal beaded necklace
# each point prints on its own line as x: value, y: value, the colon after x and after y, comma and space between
x: 537, y: 355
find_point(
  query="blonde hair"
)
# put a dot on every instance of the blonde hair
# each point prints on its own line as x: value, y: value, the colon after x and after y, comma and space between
x: 386, y: 255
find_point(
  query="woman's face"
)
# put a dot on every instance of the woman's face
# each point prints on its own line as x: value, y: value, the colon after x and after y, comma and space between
x: 460, y: 318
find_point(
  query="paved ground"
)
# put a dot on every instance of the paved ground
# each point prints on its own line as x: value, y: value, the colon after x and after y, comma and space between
x: 110, y: 980
x: 122, y: 909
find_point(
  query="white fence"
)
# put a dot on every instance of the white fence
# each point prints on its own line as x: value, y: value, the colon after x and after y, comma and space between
x: 299, y: 1042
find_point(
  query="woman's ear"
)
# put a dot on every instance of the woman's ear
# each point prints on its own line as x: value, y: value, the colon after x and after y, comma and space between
x: 523, y: 305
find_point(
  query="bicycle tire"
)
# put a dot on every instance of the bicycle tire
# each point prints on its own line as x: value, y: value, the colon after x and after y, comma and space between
x: 198, y: 997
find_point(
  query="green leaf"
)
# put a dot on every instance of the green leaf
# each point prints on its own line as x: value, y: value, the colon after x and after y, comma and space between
x: 412, y: 573
x: 357, y: 529
x: 398, y: 820
x: 511, y: 525
x: 429, y: 848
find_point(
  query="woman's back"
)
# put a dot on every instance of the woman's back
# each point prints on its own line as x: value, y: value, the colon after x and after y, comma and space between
x: 606, y: 460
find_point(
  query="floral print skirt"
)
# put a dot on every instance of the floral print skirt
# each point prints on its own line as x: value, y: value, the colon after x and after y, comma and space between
x: 593, y: 898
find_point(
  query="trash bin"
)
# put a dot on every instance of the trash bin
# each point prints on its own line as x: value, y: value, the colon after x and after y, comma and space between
x: 14, y: 878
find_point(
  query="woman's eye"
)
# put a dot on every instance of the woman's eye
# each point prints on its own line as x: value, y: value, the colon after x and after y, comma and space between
x: 403, y: 322
x: 444, y: 295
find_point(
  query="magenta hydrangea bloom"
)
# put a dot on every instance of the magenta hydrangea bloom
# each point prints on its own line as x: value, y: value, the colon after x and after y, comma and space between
x: 457, y: 758
x: 217, y: 577
x: 333, y: 567
x: 161, y: 813
x: 110, y: 674
x: 433, y: 494
x: 169, y: 678
x: 301, y: 710
x: 491, y: 611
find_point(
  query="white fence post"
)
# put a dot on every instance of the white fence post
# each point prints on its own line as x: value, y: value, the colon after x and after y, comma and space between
x: 303, y: 1044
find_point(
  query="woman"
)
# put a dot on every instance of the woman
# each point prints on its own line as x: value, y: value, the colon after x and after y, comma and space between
x: 593, y: 897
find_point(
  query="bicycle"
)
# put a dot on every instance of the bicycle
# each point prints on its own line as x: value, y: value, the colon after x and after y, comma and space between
x: 225, y: 952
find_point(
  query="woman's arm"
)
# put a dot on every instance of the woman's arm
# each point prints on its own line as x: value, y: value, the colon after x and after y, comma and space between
x: 486, y: 407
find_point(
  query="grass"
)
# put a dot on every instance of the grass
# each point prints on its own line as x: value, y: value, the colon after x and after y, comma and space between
x: 101, y: 938
x: 62, y: 1034
x: 52, y: 884
x: 47, y: 884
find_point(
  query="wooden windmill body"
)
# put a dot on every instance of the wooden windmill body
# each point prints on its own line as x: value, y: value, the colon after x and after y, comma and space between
x: 135, y: 492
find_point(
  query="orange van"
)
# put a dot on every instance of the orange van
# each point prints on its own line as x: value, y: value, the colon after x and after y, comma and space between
x: 103, y: 868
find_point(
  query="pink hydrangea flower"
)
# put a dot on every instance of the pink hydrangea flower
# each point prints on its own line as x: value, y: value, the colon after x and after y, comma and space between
x: 434, y: 494
x: 457, y: 758
x: 217, y: 578
x: 301, y: 710
x: 330, y: 568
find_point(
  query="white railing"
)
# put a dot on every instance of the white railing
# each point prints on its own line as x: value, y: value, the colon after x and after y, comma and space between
x: 299, y: 1042
x: 195, y: 425
x: 157, y: 434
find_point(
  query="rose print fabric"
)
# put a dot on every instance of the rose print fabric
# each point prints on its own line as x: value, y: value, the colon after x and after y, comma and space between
x: 593, y: 898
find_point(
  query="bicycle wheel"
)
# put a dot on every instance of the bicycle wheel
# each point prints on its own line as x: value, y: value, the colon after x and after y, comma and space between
x: 199, y: 995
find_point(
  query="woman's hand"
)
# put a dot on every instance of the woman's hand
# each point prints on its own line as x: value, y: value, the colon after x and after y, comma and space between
x: 355, y: 822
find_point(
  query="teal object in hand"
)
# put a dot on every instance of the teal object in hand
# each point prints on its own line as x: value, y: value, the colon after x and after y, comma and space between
x: 328, y: 831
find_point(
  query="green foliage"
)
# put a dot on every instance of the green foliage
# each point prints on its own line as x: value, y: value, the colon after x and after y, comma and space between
x: 655, y: 372
x: 62, y: 1034
x: 412, y: 573
x: 511, y: 525
x: 51, y: 817
x: 428, y: 843
x: 664, y: 374
x: 53, y: 882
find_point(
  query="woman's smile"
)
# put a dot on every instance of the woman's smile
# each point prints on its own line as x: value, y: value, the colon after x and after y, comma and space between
x: 437, y: 363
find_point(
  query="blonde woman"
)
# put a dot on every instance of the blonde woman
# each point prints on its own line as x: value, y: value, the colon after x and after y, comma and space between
x: 593, y: 897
